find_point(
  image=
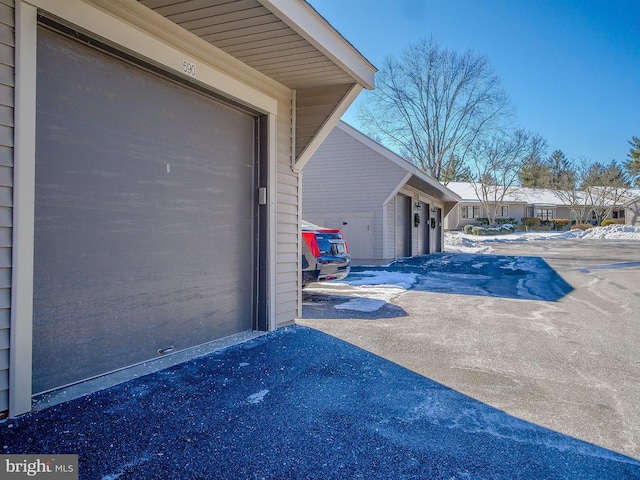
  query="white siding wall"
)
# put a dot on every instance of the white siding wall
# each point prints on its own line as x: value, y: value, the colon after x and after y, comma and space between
x: 7, y: 42
x: 563, y: 212
x: 344, y: 176
x: 517, y: 211
x: 454, y: 220
x: 287, y: 223
x: 632, y: 213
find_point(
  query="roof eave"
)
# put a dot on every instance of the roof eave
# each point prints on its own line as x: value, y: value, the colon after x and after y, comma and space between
x: 310, y: 25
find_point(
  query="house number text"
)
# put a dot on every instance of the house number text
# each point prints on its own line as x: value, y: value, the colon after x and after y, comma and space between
x: 188, y: 68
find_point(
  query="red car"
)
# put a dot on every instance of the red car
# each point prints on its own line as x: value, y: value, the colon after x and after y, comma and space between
x: 325, y: 254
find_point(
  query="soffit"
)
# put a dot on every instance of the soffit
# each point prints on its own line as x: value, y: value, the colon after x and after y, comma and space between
x: 267, y: 39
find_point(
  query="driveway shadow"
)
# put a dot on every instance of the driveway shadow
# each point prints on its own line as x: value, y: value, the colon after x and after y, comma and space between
x: 526, y: 278
x: 298, y: 403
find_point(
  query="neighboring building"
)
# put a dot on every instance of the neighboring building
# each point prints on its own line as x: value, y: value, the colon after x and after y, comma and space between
x: 385, y: 206
x: 631, y: 207
x: 518, y: 203
x: 150, y: 154
x: 632, y: 212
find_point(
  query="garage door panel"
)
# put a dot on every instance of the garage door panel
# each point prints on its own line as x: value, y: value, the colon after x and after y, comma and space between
x: 403, y: 226
x: 144, y: 211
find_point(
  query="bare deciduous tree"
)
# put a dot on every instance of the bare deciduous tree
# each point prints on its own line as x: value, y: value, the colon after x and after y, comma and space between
x: 497, y: 164
x: 604, y: 187
x: 432, y: 104
x: 591, y: 189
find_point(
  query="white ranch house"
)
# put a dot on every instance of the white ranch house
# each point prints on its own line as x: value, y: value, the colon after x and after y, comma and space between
x: 518, y: 203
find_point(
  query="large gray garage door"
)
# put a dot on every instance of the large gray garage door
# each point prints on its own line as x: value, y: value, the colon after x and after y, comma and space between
x: 144, y: 218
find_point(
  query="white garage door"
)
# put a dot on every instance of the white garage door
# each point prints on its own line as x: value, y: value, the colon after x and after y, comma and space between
x: 144, y: 227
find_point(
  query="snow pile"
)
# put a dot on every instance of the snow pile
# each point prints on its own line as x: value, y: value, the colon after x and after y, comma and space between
x: 463, y: 243
x: 611, y: 232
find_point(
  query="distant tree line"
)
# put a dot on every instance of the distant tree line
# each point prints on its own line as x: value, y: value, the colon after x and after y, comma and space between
x: 446, y: 113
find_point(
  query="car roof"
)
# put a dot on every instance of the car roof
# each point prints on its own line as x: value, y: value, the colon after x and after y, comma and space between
x: 310, y: 226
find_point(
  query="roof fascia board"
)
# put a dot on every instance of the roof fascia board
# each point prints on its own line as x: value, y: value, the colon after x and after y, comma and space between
x: 448, y: 206
x: 309, y: 24
x: 397, y: 189
x: 329, y: 124
x: 446, y: 195
x: 399, y: 161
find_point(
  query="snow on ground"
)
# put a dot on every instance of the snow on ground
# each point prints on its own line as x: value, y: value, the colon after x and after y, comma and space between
x: 373, y: 289
x: 463, y: 243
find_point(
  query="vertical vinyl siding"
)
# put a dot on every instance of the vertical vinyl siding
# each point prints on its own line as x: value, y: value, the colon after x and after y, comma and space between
x: 7, y: 64
x: 287, y: 222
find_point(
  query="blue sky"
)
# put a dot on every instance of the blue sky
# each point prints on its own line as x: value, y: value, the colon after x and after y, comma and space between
x: 571, y: 67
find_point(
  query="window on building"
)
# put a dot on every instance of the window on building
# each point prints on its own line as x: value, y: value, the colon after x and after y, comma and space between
x: 504, y: 211
x: 470, y: 212
x: 544, y: 213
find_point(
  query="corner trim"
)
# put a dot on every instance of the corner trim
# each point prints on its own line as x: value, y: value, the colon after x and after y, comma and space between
x: 21, y: 335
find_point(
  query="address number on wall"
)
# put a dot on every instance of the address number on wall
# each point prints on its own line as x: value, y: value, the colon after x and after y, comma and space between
x: 189, y: 68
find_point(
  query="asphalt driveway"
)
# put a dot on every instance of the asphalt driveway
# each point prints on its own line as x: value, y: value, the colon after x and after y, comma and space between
x: 554, y: 340
x: 482, y: 385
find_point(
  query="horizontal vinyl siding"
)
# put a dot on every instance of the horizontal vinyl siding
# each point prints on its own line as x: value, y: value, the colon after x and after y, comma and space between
x: 632, y: 213
x: 346, y: 175
x: 517, y: 211
x: 287, y: 221
x: 563, y: 212
x: 7, y: 43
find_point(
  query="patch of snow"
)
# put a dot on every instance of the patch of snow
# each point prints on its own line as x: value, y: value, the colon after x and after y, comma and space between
x: 372, y: 289
x: 257, y: 397
x: 362, y: 305
x: 381, y: 279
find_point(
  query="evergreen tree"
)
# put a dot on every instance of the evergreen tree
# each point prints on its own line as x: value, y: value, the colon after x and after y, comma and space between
x: 555, y: 172
x: 561, y: 171
x: 534, y: 173
x: 632, y: 166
